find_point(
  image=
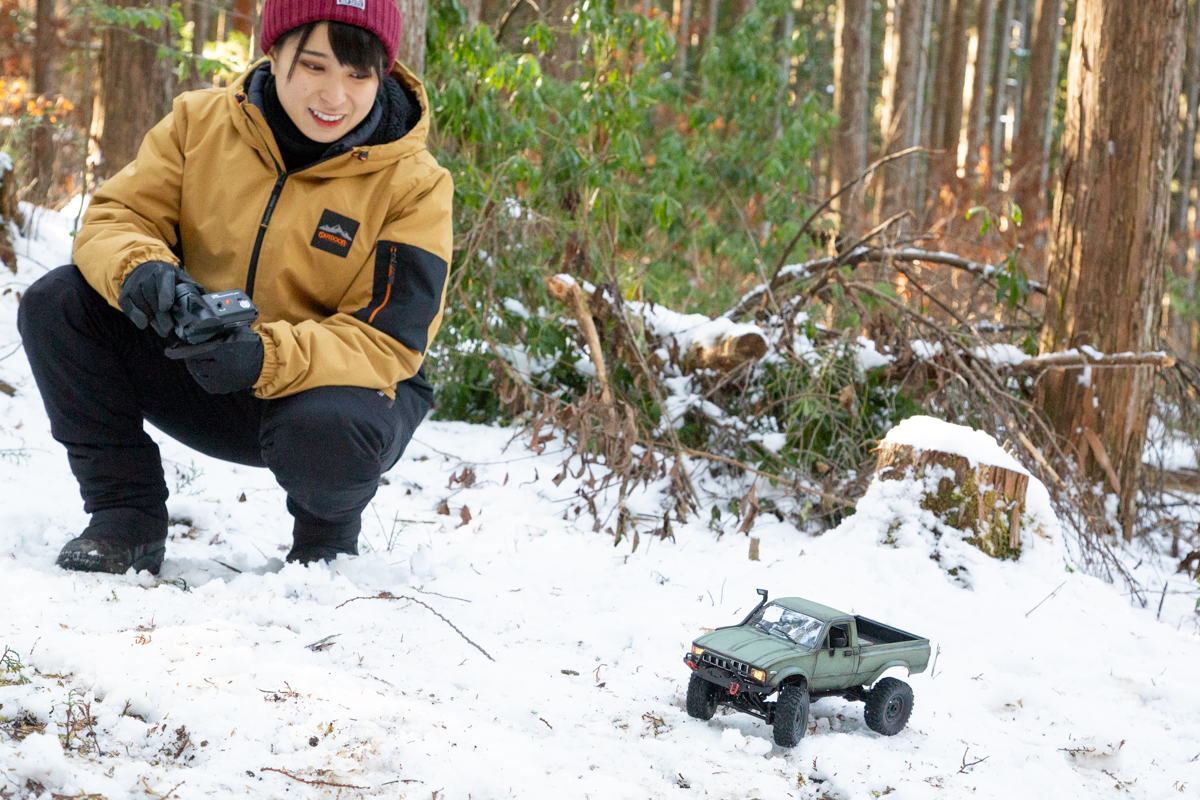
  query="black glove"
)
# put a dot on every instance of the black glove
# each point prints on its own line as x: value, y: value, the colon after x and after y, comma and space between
x: 229, y: 363
x: 148, y: 294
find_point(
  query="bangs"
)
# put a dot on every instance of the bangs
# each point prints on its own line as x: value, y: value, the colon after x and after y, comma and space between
x: 352, y: 46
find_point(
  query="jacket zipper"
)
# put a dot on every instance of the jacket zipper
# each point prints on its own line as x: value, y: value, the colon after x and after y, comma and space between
x: 391, y: 278
x: 275, y: 192
x: 262, y: 232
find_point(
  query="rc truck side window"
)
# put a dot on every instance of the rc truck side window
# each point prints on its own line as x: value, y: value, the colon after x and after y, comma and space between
x: 839, y: 636
x: 787, y: 624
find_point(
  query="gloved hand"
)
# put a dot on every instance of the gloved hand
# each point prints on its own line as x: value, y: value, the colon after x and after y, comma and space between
x: 229, y: 363
x: 148, y: 294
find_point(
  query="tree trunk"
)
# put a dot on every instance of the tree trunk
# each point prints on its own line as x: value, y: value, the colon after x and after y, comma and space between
x: 200, y: 13
x: 901, y: 111
x: 42, y: 134
x: 985, y: 27
x: 1004, y: 40
x: 956, y: 64
x: 1189, y: 134
x: 683, y: 38
x: 941, y: 92
x: 473, y: 8
x: 134, y: 93
x: 782, y: 96
x: 984, y: 501
x: 1018, y: 93
x: 851, y: 65
x: 1108, y: 238
x: 413, y: 15
x: 1027, y: 150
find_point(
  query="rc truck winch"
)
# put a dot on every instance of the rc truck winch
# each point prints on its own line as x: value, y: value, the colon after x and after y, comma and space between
x: 804, y: 651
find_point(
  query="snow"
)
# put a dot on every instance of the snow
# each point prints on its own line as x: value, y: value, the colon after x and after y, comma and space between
x: 1074, y: 693
x: 867, y: 357
x: 1001, y: 354
x: 924, y: 351
x: 929, y: 433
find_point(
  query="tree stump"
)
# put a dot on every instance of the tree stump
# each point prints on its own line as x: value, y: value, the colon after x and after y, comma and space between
x: 984, y: 501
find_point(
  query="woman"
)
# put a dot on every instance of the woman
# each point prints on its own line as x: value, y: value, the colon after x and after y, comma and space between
x: 307, y: 184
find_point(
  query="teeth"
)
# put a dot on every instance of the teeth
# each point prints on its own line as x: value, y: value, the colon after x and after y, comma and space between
x: 326, y: 117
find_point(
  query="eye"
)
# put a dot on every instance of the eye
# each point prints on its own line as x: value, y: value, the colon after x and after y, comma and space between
x: 313, y: 67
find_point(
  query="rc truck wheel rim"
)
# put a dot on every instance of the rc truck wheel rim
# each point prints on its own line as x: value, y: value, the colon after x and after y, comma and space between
x: 894, y: 708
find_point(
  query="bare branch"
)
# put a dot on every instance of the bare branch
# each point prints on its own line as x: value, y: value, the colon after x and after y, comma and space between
x: 390, y: 596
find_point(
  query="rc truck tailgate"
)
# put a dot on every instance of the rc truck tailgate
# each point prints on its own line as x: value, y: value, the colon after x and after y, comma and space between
x: 883, y: 646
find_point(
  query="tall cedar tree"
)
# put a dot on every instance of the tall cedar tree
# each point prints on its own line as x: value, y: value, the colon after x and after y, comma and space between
x: 851, y: 65
x: 1108, y: 239
x: 136, y: 88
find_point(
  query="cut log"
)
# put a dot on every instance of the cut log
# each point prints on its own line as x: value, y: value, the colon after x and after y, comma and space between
x: 983, y: 501
x: 693, y: 341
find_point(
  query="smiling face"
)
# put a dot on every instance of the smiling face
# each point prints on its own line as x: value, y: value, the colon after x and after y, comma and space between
x: 325, y: 98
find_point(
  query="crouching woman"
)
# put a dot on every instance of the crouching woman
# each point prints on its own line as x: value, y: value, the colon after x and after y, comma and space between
x: 307, y: 184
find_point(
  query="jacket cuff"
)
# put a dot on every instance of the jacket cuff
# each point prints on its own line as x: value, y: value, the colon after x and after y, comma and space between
x: 270, y: 363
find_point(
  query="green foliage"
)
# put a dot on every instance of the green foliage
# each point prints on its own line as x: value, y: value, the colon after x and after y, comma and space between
x: 11, y: 668
x: 609, y: 168
x: 178, y: 45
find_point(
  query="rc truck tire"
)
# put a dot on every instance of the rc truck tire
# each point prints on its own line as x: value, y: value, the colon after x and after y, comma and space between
x: 791, y: 715
x: 889, y: 705
x: 701, y: 698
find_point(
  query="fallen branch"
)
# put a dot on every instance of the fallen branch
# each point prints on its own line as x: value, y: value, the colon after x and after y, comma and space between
x: 786, y: 481
x: 1074, y: 359
x: 313, y: 782
x: 7, y: 389
x: 864, y: 255
x: 390, y: 596
x: 966, y: 766
x: 702, y: 343
x: 565, y: 289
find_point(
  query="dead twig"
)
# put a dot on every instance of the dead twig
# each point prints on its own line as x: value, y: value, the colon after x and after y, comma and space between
x: 312, y: 782
x: 965, y: 766
x: 1044, y: 599
x: 390, y: 596
x: 803, y: 487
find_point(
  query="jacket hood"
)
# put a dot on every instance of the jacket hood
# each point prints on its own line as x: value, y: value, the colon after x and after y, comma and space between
x: 253, y: 127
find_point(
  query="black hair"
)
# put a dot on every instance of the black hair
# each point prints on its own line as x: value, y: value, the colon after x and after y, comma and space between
x: 352, y: 45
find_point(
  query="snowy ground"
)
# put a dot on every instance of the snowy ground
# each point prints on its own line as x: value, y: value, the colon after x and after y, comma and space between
x: 204, y: 682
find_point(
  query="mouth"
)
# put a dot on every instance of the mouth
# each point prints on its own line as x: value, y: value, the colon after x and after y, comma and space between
x: 326, y: 120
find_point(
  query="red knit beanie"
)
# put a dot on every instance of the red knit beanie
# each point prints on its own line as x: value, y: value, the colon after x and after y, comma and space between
x: 380, y: 17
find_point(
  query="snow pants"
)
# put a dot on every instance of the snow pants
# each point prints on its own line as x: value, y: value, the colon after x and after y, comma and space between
x: 100, y: 377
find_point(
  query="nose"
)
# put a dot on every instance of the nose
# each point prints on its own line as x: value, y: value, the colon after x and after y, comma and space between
x: 333, y: 93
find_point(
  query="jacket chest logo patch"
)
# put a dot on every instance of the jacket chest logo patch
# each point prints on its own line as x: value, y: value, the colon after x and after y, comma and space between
x: 335, y: 233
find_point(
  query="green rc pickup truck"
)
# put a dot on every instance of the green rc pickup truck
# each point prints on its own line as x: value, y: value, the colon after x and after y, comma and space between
x: 803, y: 651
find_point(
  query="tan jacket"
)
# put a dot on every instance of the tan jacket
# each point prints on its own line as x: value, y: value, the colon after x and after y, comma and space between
x: 347, y: 260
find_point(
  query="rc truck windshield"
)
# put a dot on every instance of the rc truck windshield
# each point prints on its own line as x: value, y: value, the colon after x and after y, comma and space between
x: 787, y: 624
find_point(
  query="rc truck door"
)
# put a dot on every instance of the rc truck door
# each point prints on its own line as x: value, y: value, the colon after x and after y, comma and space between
x: 837, y: 661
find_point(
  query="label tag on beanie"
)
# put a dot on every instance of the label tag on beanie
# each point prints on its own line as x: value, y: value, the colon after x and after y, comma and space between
x: 359, y: 4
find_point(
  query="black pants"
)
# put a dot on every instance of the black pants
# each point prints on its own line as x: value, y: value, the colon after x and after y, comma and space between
x: 100, y: 377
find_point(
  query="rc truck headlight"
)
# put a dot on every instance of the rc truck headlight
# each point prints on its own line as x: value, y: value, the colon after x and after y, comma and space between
x: 758, y: 675
x: 697, y: 651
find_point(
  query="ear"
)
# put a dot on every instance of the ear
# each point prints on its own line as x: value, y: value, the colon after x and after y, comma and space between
x: 272, y: 55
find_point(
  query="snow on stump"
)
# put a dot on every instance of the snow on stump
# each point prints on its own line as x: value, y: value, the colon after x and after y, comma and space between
x: 980, y: 488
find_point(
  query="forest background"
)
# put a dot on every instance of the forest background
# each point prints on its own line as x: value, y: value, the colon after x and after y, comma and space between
x: 758, y: 233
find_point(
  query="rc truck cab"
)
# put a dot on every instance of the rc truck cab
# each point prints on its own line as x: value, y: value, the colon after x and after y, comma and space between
x: 804, y: 651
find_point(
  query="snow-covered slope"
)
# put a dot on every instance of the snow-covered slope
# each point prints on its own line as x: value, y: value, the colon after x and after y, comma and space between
x: 1085, y: 695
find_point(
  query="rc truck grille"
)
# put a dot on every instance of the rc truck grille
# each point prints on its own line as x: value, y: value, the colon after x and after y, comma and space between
x: 726, y: 663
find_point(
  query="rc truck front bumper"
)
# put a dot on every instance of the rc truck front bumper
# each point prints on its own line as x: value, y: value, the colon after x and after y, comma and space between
x: 733, y: 683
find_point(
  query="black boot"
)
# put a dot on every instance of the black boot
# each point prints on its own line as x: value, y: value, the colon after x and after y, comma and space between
x: 314, y: 541
x: 117, y: 539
